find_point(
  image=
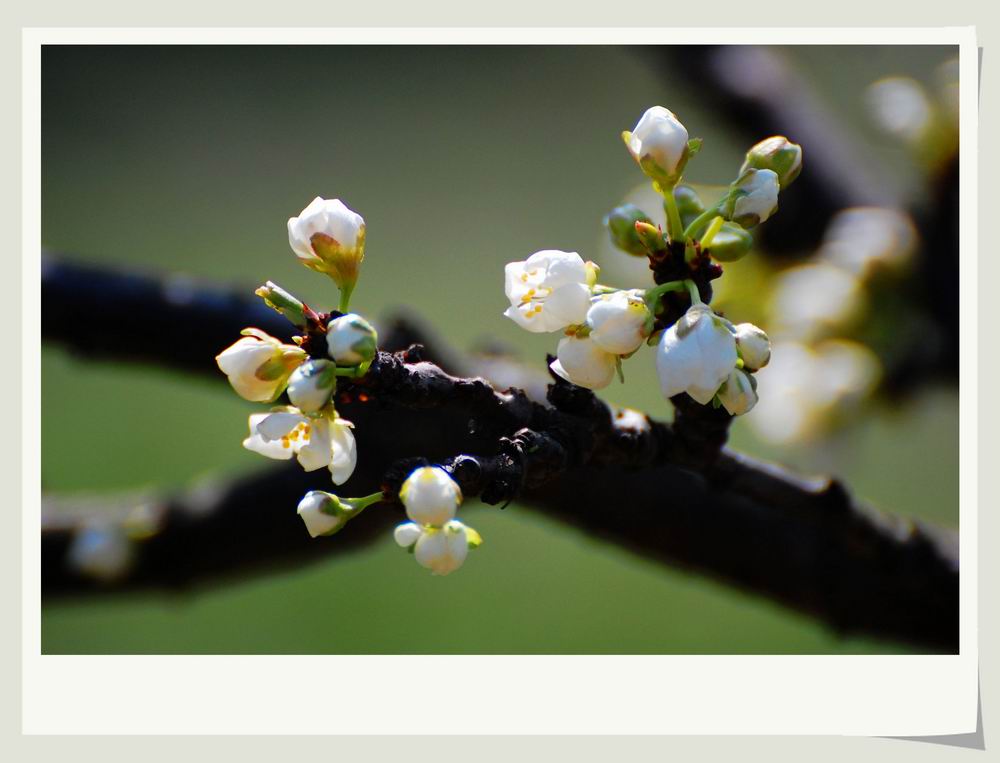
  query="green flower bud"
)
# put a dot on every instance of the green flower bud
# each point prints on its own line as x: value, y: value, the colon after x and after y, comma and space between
x: 688, y: 203
x: 777, y: 154
x: 731, y: 243
x: 651, y: 237
x: 621, y: 227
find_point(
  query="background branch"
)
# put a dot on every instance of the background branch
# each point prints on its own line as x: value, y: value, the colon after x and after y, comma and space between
x: 804, y: 543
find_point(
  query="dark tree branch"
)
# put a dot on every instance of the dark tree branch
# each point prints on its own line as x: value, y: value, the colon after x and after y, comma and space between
x: 624, y: 479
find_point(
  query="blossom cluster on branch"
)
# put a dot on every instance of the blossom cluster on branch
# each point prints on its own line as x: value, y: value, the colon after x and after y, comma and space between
x: 699, y: 354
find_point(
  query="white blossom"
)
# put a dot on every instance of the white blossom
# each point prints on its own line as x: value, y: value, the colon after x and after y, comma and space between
x: 580, y: 361
x: 319, y: 512
x: 258, y: 365
x: 430, y: 495
x: 317, y: 441
x: 659, y: 137
x: 619, y: 322
x: 696, y: 355
x: 753, y: 345
x: 757, y: 197
x: 737, y: 393
x: 329, y: 238
x: 548, y: 291
x: 351, y: 340
x: 443, y: 549
x: 310, y: 385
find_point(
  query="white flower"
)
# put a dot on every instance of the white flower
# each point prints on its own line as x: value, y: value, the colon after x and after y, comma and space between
x: 351, y: 340
x: 310, y: 385
x: 258, y: 365
x: 548, y: 291
x: 753, y: 345
x: 442, y: 550
x: 319, y: 511
x: 661, y: 139
x: 317, y: 441
x: 737, y: 394
x: 329, y: 238
x: 582, y: 362
x: 696, y: 355
x: 619, y: 322
x: 756, y: 197
x: 430, y: 495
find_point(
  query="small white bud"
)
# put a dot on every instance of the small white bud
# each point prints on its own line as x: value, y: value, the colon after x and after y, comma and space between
x: 310, y: 385
x: 696, y: 355
x: 659, y: 143
x: 753, y: 346
x: 737, y: 393
x: 258, y: 365
x: 619, y: 322
x: 548, y: 291
x: 755, y: 197
x: 430, y: 495
x: 322, y: 513
x: 351, y: 340
x: 580, y: 361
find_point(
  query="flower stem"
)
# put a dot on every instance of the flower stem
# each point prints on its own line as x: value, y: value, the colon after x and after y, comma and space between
x: 345, y: 298
x: 703, y: 218
x: 360, y: 504
x: 715, y: 227
x: 695, y: 295
x: 674, y: 225
x: 652, y: 296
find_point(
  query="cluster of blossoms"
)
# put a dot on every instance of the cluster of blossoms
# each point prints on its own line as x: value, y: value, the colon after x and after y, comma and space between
x: 699, y: 352
x: 329, y: 238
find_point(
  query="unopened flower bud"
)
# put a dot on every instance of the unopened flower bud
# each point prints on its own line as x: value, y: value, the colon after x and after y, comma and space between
x: 619, y: 322
x: 323, y: 513
x: 659, y: 143
x: 329, y: 238
x: 776, y: 153
x: 311, y: 384
x: 580, y: 361
x: 430, y: 495
x: 621, y: 226
x: 754, y: 197
x: 731, y: 243
x: 280, y: 300
x: 753, y: 346
x: 689, y: 204
x: 258, y: 365
x: 351, y: 340
x: 738, y: 394
x: 650, y: 236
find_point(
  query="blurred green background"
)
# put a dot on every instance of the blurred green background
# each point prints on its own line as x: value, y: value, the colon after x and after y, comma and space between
x: 460, y: 159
